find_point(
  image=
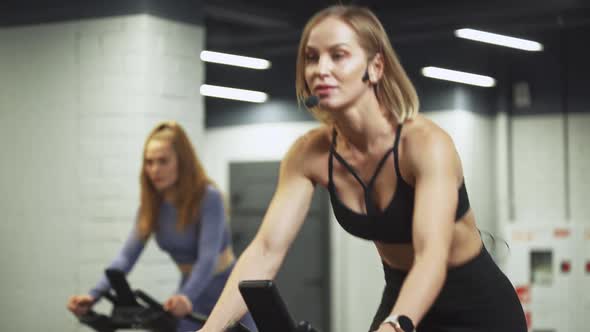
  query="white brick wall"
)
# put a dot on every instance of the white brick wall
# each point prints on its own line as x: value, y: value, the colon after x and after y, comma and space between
x: 539, y: 170
x: 542, y: 183
x: 76, y: 102
x: 579, y: 167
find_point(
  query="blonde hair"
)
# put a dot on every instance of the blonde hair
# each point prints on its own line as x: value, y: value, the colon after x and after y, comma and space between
x: 395, y: 92
x: 191, y: 185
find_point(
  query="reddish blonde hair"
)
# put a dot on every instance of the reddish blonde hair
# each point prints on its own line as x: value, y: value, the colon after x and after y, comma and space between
x: 190, y: 187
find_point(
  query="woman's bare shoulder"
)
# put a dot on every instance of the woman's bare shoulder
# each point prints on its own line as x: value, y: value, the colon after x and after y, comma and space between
x: 421, y: 132
x: 314, y: 141
x: 424, y: 141
x: 308, y: 152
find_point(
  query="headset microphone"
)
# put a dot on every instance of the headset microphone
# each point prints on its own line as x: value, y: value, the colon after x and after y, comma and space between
x: 311, y: 101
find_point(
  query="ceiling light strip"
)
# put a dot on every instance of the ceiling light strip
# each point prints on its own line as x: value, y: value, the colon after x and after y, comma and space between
x: 496, y: 39
x: 232, y: 93
x: 458, y: 76
x: 235, y: 60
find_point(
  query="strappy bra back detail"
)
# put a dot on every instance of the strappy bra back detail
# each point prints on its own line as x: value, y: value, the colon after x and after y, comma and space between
x: 394, y: 223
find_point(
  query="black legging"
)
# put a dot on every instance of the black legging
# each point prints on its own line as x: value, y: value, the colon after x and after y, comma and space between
x: 476, y: 297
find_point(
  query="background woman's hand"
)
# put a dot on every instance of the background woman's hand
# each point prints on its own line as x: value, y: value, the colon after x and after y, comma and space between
x: 178, y: 305
x: 80, y: 304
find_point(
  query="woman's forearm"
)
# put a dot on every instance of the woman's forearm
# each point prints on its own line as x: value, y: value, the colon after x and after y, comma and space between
x: 422, y: 286
x: 255, y: 263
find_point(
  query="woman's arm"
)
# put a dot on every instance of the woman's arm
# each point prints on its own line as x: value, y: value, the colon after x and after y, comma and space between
x: 436, y: 170
x: 263, y: 257
x: 124, y: 261
x: 212, y: 228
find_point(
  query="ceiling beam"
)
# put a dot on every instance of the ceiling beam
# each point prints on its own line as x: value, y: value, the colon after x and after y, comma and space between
x: 246, y: 15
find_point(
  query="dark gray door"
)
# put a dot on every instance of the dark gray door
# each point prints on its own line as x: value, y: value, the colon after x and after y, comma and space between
x: 303, y: 280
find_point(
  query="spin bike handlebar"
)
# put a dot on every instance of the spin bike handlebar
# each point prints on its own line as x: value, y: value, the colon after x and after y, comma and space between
x: 137, y: 310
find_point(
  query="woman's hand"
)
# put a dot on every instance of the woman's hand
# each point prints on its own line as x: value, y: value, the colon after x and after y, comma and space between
x: 80, y: 304
x: 178, y: 305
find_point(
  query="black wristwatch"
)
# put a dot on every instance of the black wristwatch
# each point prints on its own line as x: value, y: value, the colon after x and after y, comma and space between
x: 404, y: 322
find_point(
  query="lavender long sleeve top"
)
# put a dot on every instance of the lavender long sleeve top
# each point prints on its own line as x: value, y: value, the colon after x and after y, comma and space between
x: 199, y: 244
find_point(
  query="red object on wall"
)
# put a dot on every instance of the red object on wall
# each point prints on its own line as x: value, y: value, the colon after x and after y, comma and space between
x: 524, y: 295
x: 566, y: 267
x: 561, y: 232
x: 588, y: 267
x: 529, y: 319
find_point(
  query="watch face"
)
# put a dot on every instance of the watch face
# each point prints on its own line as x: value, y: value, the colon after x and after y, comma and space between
x: 406, y: 323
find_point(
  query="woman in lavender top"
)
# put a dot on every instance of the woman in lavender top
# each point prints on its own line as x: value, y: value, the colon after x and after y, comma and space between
x: 184, y: 211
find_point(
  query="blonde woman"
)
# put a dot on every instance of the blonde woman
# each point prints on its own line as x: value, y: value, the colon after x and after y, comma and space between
x: 394, y: 178
x: 185, y: 213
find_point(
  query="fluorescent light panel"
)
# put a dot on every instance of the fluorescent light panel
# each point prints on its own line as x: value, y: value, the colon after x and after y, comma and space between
x: 458, y: 76
x: 496, y: 39
x: 232, y: 93
x: 234, y: 60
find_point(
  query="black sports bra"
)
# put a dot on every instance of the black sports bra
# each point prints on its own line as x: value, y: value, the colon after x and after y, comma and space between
x: 394, y: 224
